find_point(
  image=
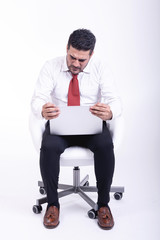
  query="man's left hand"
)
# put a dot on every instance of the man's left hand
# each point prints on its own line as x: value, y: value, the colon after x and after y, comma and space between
x: 102, y: 111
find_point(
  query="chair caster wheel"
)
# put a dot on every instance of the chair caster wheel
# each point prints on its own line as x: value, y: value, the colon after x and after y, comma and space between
x: 37, y: 209
x: 92, y: 214
x: 42, y: 190
x: 86, y: 184
x: 118, y: 195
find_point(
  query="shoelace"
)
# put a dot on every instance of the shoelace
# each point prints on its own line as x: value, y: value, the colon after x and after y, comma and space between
x: 106, y: 215
x: 52, y: 214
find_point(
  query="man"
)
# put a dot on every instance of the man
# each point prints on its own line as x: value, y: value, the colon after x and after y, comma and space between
x: 54, y: 88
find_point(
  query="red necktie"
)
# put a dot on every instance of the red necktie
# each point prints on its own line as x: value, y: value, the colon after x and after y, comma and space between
x: 73, y: 92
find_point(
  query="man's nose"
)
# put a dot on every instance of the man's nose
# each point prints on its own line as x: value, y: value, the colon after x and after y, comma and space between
x: 76, y: 63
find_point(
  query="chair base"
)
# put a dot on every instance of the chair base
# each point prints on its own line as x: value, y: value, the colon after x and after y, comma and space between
x: 79, y: 187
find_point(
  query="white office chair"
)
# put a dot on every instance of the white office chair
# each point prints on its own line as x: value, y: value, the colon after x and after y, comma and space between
x: 75, y: 157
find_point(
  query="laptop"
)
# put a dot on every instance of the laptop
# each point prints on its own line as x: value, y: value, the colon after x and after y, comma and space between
x: 75, y: 120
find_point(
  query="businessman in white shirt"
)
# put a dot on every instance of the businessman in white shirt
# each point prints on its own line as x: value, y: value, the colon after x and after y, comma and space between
x: 77, y: 79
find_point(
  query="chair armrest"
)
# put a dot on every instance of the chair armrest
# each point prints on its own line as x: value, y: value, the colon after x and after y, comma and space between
x: 36, y: 127
x: 116, y: 128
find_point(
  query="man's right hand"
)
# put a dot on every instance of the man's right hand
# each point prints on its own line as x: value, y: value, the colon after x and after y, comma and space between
x: 50, y: 111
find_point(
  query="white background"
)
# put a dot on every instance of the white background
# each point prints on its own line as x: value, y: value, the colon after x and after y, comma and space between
x: 128, y: 37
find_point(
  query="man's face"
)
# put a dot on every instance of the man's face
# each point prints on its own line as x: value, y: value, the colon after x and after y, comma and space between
x: 77, y: 60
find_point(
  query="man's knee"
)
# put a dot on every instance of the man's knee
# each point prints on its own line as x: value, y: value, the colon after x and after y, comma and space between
x: 104, y: 144
x: 51, y: 144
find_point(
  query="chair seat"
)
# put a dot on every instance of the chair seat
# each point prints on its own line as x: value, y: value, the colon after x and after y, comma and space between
x: 76, y: 156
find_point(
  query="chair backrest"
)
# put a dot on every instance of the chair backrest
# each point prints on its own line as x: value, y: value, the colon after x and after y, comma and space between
x: 37, y: 126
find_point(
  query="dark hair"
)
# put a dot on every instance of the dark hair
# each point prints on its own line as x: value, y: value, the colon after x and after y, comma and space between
x: 82, y: 39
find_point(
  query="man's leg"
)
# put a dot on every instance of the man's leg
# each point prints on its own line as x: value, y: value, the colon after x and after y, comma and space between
x: 102, y: 147
x: 51, y: 149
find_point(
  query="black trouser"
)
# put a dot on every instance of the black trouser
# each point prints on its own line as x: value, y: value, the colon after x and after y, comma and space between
x: 53, y: 146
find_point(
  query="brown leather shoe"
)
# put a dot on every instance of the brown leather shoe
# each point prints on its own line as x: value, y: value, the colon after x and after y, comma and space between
x: 105, y: 219
x: 51, y: 217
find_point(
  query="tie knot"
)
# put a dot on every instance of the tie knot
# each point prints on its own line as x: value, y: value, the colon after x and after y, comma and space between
x: 74, y: 76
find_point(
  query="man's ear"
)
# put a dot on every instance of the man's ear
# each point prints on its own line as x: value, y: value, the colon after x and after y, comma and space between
x: 67, y: 48
x: 91, y: 54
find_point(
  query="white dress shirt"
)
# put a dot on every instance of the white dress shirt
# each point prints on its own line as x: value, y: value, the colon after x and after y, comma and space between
x: 96, y: 84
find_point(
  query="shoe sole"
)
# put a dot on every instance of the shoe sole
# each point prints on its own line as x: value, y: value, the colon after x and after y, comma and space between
x: 105, y: 228
x: 51, y: 227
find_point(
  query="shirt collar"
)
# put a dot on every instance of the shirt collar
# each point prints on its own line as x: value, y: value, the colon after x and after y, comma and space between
x: 65, y: 67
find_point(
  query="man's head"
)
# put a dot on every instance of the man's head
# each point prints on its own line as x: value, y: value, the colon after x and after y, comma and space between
x: 80, y: 48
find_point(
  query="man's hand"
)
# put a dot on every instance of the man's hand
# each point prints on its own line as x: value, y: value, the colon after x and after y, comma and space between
x: 102, y: 111
x: 50, y: 111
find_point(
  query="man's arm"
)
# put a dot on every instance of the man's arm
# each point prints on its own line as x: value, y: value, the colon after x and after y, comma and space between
x: 111, y: 103
x: 42, y: 93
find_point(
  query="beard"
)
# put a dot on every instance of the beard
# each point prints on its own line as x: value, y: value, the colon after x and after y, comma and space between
x: 74, y: 70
